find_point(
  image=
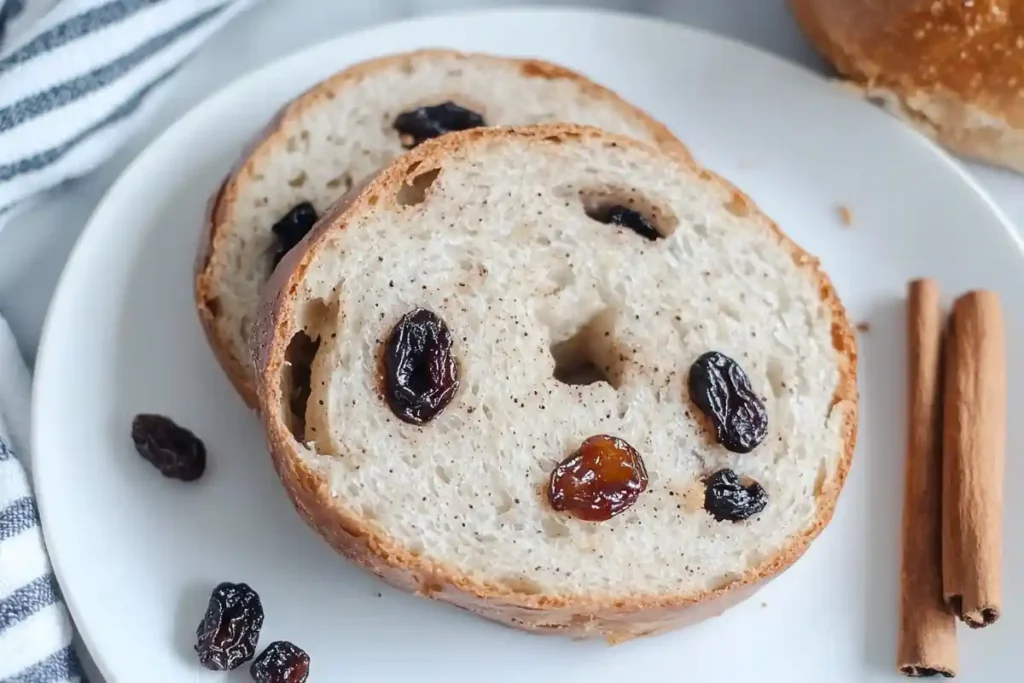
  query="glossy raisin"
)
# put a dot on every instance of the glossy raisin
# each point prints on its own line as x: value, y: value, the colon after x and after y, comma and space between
x: 281, y: 662
x: 172, y: 449
x: 290, y: 230
x: 627, y: 218
x: 722, y: 391
x: 227, y: 635
x: 421, y: 375
x: 429, y: 122
x: 604, y: 477
x: 728, y: 500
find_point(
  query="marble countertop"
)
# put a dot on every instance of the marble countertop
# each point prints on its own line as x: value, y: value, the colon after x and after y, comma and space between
x: 34, y: 247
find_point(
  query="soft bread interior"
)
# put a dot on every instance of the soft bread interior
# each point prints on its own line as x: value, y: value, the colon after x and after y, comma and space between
x: 345, y: 133
x: 497, y: 241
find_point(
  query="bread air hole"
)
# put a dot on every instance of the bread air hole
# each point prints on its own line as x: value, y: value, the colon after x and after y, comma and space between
x: 626, y: 207
x: 295, y: 386
x: 213, y: 305
x: 316, y: 318
x: 588, y: 356
x: 414, y: 191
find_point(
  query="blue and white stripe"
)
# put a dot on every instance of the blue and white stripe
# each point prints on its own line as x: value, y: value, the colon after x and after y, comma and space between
x: 76, y: 79
x: 80, y: 78
x: 35, y: 629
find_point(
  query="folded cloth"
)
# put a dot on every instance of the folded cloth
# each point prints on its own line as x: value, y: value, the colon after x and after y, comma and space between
x: 35, y: 630
x: 77, y: 77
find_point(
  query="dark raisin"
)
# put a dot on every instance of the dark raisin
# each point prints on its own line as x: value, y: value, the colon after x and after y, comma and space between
x: 227, y: 635
x: 720, y: 388
x: 604, y: 477
x: 627, y: 218
x: 421, y: 374
x: 290, y: 230
x: 728, y: 500
x: 172, y: 449
x: 281, y: 662
x: 429, y: 122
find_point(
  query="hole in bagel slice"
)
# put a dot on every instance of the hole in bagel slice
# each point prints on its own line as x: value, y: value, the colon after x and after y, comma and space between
x: 414, y: 190
x: 628, y: 209
x: 587, y: 356
x: 295, y: 381
x: 317, y: 318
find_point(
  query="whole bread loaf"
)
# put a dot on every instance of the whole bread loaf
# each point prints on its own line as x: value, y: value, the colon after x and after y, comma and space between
x: 953, y: 69
x: 344, y: 129
x: 504, y: 235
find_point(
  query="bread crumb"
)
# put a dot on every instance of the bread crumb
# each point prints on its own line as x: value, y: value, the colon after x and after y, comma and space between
x: 692, y: 496
x: 863, y: 327
x: 845, y: 214
x: 764, y: 604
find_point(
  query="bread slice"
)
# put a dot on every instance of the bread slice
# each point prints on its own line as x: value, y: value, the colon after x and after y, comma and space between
x: 491, y: 230
x: 341, y: 131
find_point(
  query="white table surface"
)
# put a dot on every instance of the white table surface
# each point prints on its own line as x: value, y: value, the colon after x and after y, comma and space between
x: 35, y: 245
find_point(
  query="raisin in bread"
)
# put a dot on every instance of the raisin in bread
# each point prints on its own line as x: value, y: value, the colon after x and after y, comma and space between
x: 346, y: 128
x: 564, y: 323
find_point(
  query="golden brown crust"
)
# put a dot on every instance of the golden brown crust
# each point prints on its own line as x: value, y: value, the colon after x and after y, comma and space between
x: 204, y: 288
x: 955, y: 69
x: 273, y: 136
x: 614, y: 618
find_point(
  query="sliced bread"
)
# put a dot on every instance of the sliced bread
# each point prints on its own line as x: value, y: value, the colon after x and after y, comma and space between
x: 509, y: 237
x: 343, y: 130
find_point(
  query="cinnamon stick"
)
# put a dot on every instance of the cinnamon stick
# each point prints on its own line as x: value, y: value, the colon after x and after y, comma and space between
x: 927, y: 635
x: 974, y: 445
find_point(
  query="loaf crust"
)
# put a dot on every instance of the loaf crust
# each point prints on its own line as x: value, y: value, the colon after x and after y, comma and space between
x: 953, y: 70
x: 616, y: 620
x: 272, y: 137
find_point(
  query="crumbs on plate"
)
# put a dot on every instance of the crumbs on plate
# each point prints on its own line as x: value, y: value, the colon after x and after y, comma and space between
x: 845, y: 214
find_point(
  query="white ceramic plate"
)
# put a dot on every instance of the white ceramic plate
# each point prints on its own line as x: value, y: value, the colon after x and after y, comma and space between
x: 138, y: 554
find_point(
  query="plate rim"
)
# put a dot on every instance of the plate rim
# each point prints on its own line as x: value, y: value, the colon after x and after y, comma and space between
x: 47, y: 346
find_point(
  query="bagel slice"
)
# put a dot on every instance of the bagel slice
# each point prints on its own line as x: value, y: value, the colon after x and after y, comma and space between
x: 436, y: 358
x: 346, y: 128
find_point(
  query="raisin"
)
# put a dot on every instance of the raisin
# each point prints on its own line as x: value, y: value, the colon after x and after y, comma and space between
x: 727, y: 499
x: 722, y: 391
x: 627, y: 218
x: 227, y: 635
x: 429, y: 122
x: 604, y: 477
x: 281, y: 662
x: 421, y: 374
x: 290, y: 230
x: 172, y: 449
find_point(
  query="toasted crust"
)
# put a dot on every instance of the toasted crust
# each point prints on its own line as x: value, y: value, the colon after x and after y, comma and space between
x: 952, y: 69
x: 615, y: 619
x: 221, y: 207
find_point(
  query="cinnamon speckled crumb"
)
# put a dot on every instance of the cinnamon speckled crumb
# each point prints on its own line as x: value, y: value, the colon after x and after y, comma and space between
x: 863, y: 327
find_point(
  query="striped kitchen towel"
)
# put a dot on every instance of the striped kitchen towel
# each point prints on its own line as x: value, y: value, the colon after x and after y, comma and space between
x: 35, y: 631
x: 77, y: 77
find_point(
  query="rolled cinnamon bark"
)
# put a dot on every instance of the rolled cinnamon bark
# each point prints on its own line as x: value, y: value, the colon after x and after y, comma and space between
x: 974, y: 446
x: 927, y: 636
